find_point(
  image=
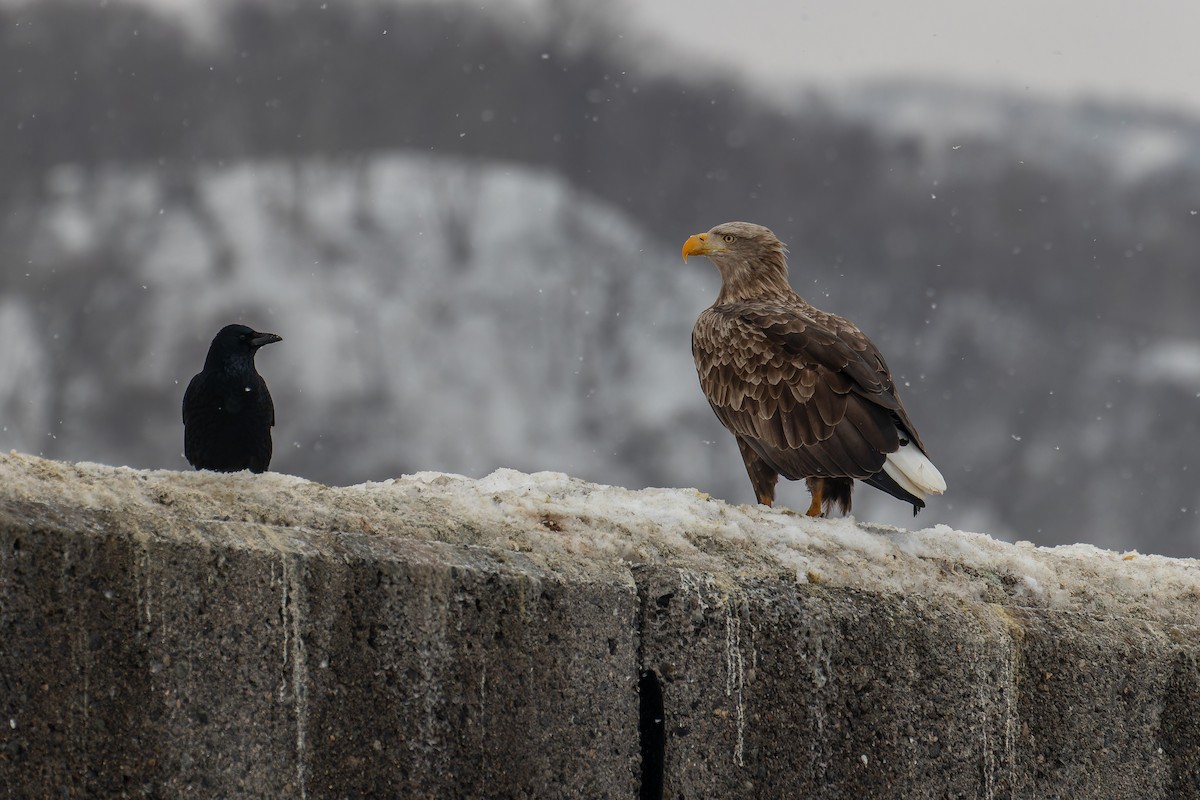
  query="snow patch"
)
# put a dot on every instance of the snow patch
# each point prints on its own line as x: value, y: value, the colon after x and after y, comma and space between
x: 568, y: 524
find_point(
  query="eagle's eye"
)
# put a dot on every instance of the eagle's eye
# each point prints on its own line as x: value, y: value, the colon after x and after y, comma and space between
x: 729, y: 237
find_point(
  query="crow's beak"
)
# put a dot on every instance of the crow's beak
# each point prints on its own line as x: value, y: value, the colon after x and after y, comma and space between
x: 259, y: 339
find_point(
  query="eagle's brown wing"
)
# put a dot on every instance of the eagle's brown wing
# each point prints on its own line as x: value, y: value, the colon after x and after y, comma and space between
x: 808, y: 391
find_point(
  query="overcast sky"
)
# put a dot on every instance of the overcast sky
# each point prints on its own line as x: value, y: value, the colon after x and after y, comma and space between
x: 1146, y: 50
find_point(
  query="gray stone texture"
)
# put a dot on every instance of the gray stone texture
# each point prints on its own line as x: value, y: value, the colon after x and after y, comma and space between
x: 177, y: 634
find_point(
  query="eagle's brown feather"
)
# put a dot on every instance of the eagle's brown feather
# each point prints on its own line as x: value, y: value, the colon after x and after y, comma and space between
x: 805, y: 392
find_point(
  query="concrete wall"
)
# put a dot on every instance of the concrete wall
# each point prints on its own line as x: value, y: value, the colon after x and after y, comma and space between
x: 171, y: 634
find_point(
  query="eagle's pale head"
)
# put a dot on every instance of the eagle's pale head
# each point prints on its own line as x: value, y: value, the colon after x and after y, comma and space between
x: 751, y: 259
x: 734, y: 239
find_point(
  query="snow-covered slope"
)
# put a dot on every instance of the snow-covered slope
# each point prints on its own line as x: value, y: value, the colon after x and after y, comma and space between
x: 1134, y: 141
x: 452, y: 315
x: 435, y: 314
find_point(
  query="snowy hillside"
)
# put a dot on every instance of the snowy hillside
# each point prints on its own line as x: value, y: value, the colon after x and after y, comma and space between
x: 1135, y: 141
x: 455, y: 315
x: 435, y: 314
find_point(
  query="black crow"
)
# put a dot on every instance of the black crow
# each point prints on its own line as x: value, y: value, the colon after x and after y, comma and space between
x: 227, y: 410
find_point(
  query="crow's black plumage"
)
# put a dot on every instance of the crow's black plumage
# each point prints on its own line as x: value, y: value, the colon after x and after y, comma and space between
x: 227, y: 410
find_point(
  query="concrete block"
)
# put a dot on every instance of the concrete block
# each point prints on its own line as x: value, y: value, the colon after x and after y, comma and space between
x: 536, y: 636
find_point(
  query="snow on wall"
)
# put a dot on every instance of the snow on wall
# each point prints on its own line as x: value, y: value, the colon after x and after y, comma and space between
x: 562, y: 522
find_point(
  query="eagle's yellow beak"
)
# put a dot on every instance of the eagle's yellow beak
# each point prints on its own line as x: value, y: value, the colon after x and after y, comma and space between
x: 696, y: 245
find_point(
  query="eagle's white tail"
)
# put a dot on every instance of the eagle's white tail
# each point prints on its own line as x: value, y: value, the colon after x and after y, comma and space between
x: 915, y: 473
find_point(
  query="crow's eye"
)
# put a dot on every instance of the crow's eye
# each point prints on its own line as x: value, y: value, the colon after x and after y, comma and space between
x: 729, y: 237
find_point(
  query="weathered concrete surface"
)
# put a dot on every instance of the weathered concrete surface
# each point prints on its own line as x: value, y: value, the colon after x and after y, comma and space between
x: 172, y: 634
x: 212, y: 658
x: 773, y: 689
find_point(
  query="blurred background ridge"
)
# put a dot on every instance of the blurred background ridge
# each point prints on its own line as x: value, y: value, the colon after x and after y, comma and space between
x: 466, y: 224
